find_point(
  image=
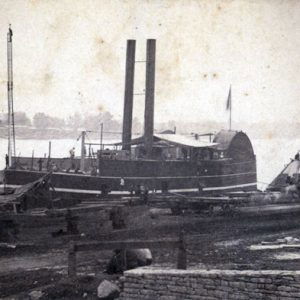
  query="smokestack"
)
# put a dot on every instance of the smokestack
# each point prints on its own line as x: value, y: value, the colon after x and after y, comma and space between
x: 149, y: 97
x: 128, y: 98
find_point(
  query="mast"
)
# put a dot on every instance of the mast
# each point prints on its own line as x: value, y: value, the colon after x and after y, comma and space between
x: 82, y: 160
x: 101, y: 136
x: 10, y: 118
x: 230, y: 119
x: 229, y: 106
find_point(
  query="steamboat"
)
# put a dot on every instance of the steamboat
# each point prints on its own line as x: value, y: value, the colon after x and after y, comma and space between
x: 154, y: 162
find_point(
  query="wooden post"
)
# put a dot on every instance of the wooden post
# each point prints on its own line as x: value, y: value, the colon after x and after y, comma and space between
x: 118, y: 218
x: 32, y: 159
x: 49, y: 156
x: 72, y: 268
x: 125, y: 260
x: 82, y: 159
x: 182, y: 259
x: 72, y: 223
x: 101, y: 136
x: 49, y: 194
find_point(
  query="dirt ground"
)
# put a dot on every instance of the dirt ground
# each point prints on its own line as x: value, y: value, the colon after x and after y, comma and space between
x: 219, y: 241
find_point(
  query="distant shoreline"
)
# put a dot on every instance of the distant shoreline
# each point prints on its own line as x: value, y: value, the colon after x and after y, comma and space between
x: 32, y: 133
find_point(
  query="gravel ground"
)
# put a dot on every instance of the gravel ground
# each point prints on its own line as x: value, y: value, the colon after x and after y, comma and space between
x: 218, y: 241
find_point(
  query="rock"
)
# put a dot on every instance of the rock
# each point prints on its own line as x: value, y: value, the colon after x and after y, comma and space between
x: 144, y: 257
x: 289, y: 239
x: 281, y: 241
x: 267, y: 243
x: 107, y: 290
x: 34, y: 295
x: 134, y: 258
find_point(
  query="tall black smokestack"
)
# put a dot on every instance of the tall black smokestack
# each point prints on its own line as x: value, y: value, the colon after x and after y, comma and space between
x: 128, y: 98
x: 149, y: 97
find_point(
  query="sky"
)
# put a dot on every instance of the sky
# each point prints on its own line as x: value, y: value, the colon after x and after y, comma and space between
x: 69, y: 56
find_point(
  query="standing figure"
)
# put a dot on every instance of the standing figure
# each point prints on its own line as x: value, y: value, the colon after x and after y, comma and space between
x: 72, y: 157
x: 6, y: 161
x: 40, y: 163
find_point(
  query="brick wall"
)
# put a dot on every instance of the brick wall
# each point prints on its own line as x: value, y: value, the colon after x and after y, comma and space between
x: 150, y: 283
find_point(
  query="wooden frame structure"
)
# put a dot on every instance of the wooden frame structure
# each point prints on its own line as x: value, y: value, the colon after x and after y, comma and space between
x: 125, y: 245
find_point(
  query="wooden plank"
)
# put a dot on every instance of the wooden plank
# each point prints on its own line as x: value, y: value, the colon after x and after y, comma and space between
x: 167, y: 243
x: 173, y: 197
x: 182, y: 253
x: 81, y: 209
x: 198, y: 201
x: 72, y: 261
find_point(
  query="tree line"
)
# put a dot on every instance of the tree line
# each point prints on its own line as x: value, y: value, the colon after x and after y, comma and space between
x: 75, y: 122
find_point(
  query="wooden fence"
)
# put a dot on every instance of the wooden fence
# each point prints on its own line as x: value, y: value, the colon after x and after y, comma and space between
x: 126, y: 245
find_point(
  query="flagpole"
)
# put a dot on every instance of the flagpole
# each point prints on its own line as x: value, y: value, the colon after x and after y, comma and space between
x: 229, y: 106
x: 230, y: 116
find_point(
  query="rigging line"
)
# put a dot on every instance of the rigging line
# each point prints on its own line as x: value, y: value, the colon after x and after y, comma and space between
x: 263, y: 182
x: 10, y: 59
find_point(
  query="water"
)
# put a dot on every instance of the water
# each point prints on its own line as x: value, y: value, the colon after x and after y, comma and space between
x: 271, y: 154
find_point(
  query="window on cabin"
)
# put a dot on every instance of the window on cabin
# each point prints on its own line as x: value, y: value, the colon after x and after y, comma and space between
x: 206, y: 155
x: 164, y: 186
x: 184, y: 153
x: 215, y: 155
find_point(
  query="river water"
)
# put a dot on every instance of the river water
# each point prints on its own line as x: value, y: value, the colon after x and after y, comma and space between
x: 271, y: 154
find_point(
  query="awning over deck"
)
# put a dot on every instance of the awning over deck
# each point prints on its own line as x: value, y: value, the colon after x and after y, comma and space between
x: 184, y: 140
x: 175, y: 139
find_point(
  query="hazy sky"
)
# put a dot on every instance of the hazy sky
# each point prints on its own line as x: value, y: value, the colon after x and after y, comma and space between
x: 70, y: 56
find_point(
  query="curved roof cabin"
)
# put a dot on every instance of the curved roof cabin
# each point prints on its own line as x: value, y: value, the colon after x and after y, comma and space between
x: 235, y: 144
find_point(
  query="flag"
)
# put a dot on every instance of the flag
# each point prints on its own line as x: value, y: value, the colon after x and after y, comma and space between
x: 9, y: 34
x: 228, y: 105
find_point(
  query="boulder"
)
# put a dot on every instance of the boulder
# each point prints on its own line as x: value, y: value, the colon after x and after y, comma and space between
x: 129, y: 259
x: 107, y: 290
x: 35, y: 295
x: 144, y: 257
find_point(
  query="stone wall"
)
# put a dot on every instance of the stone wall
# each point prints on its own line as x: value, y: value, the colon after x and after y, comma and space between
x: 150, y: 283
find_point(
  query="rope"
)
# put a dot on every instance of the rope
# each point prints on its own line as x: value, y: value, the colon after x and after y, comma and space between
x: 180, y: 195
x: 263, y: 182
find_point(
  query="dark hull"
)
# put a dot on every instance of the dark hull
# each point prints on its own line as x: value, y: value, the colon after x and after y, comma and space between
x: 214, y: 176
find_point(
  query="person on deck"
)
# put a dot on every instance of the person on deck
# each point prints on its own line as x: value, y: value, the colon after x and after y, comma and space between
x: 72, y: 156
x: 6, y: 161
x: 40, y: 163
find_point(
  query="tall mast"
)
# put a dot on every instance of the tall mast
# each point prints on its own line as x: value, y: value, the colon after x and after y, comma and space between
x: 82, y: 159
x: 229, y: 106
x: 10, y: 119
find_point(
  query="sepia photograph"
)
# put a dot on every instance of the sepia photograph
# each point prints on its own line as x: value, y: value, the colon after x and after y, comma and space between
x: 149, y: 149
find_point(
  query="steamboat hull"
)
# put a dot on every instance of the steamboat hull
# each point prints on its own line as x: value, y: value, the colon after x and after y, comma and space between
x: 121, y: 177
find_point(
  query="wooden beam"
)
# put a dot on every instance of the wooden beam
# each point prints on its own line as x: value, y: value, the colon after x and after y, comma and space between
x: 72, y: 263
x: 182, y: 254
x: 130, y: 244
x: 82, y: 209
x: 167, y: 243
